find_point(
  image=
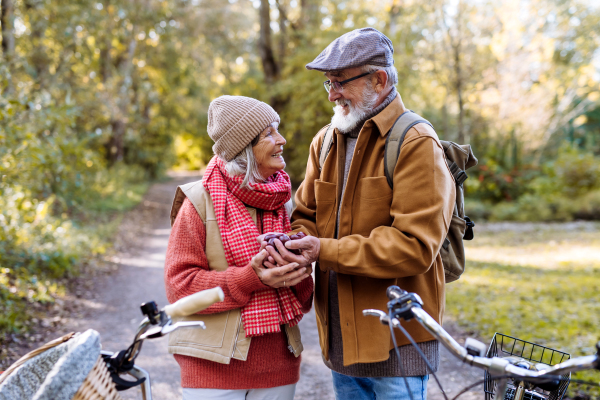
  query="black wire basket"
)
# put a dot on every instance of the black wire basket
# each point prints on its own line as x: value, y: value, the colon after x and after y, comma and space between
x: 504, y: 346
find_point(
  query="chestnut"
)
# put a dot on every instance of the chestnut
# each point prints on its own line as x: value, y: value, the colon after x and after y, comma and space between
x: 283, y: 238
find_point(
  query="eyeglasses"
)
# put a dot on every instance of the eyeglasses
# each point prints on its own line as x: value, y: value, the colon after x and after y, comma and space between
x: 338, y: 86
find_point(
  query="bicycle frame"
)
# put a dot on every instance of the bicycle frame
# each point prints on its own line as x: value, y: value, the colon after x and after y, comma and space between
x: 404, y: 305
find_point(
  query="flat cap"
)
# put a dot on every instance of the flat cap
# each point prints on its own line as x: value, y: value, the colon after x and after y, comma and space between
x: 354, y: 49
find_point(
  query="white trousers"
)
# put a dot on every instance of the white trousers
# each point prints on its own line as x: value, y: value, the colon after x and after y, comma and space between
x: 277, y: 393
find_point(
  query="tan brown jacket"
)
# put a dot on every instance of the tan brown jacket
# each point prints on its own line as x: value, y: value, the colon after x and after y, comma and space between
x: 385, y: 238
x: 224, y: 337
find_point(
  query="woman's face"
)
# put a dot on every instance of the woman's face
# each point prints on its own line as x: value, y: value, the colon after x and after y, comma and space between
x: 269, y: 152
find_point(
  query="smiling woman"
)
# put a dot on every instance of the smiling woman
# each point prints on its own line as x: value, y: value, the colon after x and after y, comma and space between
x: 216, y: 221
x: 262, y: 158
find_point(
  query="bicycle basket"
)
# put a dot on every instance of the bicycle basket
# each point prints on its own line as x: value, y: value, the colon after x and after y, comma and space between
x: 504, y: 346
x: 66, y: 368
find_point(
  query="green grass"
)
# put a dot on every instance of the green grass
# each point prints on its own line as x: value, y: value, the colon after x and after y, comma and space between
x: 550, y: 299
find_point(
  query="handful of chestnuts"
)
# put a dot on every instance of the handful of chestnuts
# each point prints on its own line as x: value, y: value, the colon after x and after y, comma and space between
x: 283, y: 238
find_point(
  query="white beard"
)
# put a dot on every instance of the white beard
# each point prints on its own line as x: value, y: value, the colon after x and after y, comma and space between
x: 356, y: 114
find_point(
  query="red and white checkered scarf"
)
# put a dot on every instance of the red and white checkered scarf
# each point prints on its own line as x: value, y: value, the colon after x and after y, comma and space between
x: 267, y: 308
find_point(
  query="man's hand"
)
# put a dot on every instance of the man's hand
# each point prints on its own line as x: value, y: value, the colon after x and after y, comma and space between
x: 309, y: 247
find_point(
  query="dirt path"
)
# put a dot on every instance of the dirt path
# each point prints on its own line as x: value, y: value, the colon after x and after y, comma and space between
x: 110, y: 305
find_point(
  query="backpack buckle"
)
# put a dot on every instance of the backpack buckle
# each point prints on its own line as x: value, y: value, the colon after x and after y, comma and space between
x: 460, y: 177
x: 469, y: 235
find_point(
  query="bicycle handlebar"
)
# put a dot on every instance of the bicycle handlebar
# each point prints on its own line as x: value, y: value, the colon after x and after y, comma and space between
x: 195, y: 303
x: 408, y: 305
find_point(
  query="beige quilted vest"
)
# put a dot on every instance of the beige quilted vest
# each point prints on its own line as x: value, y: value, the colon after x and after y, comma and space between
x: 224, y: 337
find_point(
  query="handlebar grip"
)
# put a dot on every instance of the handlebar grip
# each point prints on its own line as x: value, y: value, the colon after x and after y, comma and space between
x: 195, y: 303
x: 394, y: 292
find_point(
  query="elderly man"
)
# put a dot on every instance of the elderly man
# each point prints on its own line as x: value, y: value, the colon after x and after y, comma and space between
x: 365, y: 236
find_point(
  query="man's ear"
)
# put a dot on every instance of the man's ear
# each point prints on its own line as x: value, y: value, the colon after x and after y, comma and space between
x: 381, y: 80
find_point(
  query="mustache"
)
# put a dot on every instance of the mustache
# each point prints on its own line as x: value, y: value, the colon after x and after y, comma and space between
x: 343, y: 102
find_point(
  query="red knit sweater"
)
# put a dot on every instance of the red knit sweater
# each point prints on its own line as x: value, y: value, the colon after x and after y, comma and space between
x: 269, y: 362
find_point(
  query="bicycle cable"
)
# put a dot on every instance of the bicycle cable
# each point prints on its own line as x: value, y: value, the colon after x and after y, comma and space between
x: 398, y: 355
x: 421, y: 354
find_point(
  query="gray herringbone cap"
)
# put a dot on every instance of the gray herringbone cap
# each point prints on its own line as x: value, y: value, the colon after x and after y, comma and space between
x: 233, y: 121
x: 354, y: 49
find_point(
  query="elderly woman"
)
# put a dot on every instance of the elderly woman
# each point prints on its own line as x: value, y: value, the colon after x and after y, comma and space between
x: 251, y: 346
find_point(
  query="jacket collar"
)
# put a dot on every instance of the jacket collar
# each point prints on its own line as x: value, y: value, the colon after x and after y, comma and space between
x: 388, y: 116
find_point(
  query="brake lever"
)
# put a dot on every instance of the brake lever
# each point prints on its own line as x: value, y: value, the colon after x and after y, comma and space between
x: 383, y: 317
x: 183, y: 324
x: 159, y: 331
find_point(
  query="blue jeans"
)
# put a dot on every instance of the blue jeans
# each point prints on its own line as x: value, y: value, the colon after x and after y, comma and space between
x: 351, y: 388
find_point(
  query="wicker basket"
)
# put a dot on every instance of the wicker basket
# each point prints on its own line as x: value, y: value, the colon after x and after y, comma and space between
x: 98, y: 384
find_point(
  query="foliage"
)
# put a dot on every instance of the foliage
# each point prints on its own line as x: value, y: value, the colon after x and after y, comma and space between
x: 502, y: 292
x: 100, y: 97
x: 563, y: 189
x: 39, y: 250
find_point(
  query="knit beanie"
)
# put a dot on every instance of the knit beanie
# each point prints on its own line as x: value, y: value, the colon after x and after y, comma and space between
x: 233, y: 121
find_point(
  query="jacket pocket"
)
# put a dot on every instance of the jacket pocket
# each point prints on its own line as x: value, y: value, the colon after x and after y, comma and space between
x: 325, y: 196
x: 372, y: 202
x: 223, y: 339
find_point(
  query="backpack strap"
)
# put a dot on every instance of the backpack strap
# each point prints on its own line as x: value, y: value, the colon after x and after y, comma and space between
x: 325, y: 146
x: 393, y: 143
x: 199, y: 197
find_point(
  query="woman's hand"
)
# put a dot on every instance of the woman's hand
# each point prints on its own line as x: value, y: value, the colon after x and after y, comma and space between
x: 277, y: 277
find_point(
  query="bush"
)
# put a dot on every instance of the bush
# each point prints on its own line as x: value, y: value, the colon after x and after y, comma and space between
x: 564, y: 189
x: 478, y: 210
x: 588, y: 207
x: 40, y: 249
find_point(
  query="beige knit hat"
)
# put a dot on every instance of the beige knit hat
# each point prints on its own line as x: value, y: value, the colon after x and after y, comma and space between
x: 233, y: 121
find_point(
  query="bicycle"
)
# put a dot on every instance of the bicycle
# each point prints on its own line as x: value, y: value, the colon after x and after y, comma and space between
x: 106, y: 378
x: 509, y: 378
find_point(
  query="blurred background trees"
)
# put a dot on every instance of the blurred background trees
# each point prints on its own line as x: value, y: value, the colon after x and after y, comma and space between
x: 99, y: 97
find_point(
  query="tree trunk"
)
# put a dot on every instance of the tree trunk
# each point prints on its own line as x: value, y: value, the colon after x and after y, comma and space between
x: 265, y: 46
x: 458, y: 84
x: 282, y: 35
x: 105, y: 60
x: 309, y: 14
x: 121, y: 109
x: 395, y: 10
x: 460, y: 137
x: 7, y: 18
x: 8, y: 29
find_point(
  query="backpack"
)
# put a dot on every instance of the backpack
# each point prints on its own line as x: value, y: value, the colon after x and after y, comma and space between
x: 459, y: 158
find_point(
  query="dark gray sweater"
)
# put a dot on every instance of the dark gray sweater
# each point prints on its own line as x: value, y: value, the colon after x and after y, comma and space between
x: 412, y: 363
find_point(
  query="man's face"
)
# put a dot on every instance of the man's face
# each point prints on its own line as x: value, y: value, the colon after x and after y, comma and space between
x: 354, y: 102
x: 352, y: 92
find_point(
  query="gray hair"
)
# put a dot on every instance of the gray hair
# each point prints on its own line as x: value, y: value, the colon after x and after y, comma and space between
x: 245, y: 164
x: 391, y: 72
